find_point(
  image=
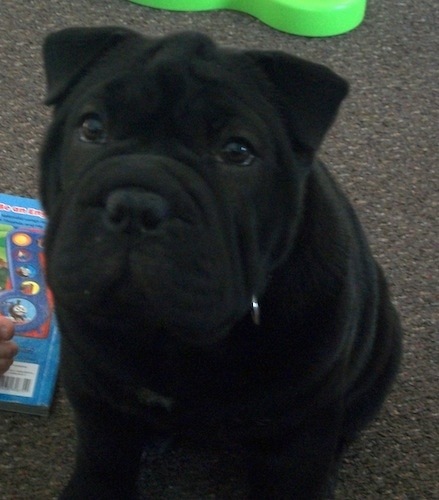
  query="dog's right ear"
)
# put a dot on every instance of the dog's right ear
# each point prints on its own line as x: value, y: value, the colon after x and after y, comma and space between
x: 69, y: 52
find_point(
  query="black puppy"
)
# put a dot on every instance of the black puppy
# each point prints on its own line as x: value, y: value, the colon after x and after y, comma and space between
x: 210, y: 277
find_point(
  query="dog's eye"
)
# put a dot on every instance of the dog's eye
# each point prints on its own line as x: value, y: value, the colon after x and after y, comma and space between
x: 237, y: 151
x: 92, y: 129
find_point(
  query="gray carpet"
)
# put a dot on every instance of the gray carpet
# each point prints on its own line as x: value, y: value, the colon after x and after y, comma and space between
x: 383, y: 149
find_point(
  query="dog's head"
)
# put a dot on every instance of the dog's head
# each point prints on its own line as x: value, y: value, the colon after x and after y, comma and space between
x: 173, y: 172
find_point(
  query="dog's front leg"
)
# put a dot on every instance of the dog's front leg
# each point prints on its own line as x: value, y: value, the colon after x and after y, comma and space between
x: 302, y: 464
x: 108, y: 455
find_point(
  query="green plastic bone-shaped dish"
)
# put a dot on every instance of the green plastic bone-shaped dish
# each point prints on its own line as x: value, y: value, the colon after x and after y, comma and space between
x: 314, y: 18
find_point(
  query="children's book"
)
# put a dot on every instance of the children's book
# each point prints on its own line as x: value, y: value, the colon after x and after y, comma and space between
x: 29, y: 384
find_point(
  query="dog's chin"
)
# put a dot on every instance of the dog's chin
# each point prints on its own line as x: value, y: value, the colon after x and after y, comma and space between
x: 132, y: 311
x: 198, y: 303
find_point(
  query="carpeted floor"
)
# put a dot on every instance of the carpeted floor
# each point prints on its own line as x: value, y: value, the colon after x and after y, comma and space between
x: 383, y: 149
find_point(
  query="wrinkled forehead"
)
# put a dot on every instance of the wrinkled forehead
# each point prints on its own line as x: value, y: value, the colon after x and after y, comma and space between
x: 185, y: 54
x: 180, y: 78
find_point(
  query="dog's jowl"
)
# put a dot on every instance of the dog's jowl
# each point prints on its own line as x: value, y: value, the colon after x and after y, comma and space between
x: 211, y: 280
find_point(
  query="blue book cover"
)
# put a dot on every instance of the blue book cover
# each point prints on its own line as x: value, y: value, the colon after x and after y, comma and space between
x: 29, y: 384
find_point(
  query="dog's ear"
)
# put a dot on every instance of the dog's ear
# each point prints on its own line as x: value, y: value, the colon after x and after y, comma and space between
x: 69, y: 52
x: 307, y: 94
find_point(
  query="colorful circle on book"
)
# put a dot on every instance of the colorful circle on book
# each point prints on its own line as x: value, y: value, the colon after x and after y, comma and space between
x: 25, y: 271
x: 20, y: 310
x: 30, y: 288
x: 22, y: 255
x: 21, y: 239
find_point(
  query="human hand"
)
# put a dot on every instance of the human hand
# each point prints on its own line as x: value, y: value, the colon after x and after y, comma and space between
x: 8, y: 348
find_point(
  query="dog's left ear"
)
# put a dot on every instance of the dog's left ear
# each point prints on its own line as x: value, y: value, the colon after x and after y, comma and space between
x: 307, y: 94
x: 69, y: 52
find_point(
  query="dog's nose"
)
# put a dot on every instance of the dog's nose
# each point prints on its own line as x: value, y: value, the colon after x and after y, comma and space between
x: 134, y: 210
